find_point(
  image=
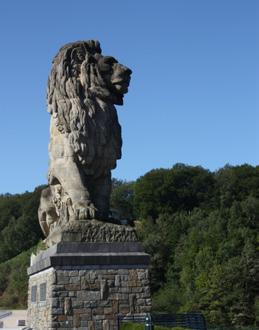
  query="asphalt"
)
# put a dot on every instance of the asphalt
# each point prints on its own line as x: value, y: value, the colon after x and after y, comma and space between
x: 11, y: 321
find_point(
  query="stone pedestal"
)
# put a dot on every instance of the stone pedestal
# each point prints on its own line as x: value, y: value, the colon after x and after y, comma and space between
x: 75, y: 285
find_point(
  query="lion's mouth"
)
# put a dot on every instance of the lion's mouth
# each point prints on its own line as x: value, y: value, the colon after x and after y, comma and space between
x: 121, y: 85
x: 121, y: 78
x: 119, y: 81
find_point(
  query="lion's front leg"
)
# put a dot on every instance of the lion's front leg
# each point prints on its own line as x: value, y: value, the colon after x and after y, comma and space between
x: 71, y: 191
x: 101, y: 190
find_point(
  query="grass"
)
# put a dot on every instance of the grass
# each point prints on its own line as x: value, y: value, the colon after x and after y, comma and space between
x: 138, y: 326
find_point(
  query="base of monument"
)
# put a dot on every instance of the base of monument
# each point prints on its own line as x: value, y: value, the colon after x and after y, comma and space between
x: 90, y: 231
x: 76, y: 285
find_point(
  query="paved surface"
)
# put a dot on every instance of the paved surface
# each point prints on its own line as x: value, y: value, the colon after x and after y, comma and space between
x: 11, y: 321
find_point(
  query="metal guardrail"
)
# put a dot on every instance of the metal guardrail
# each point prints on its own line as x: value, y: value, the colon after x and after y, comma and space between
x: 5, y: 314
x: 194, y: 321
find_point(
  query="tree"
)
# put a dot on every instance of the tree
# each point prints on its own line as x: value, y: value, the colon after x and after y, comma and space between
x: 170, y: 190
x: 22, y: 229
x: 122, y: 198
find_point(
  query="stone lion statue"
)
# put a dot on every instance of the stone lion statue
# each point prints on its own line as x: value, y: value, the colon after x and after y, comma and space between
x: 85, y: 135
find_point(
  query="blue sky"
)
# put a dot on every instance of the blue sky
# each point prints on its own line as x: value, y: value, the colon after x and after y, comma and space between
x: 194, y: 92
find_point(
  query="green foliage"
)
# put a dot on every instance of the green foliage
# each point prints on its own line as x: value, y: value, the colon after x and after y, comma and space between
x: 148, y: 193
x: 200, y: 228
x: 212, y: 268
x: 167, y: 299
x: 14, y: 281
x: 236, y: 183
x: 203, y: 240
x: 131, y: 326
x: 171, y: 190
x: 122, y: 198
x: 19, y: 226
x: 138, y: 326
x: 216, y: 268
x: 19, y: 231
x: 160, y: 239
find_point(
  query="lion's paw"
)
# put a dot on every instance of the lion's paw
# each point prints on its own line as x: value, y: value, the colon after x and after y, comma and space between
x: 84, y: 212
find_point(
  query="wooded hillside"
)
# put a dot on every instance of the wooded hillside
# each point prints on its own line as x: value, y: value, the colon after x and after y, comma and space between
x: 200, y: 227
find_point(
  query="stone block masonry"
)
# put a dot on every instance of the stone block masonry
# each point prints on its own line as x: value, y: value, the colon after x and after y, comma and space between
x: 89, y: 296
x: 39, y: 313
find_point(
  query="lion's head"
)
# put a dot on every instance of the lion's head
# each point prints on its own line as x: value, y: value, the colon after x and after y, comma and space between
x: 80, y: 76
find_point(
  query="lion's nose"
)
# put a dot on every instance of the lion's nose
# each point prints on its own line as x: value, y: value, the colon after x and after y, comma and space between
x: 127, y: 70
x: 124, y: 70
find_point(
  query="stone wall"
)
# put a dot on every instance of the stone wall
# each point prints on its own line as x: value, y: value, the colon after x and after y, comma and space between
x: 39, y: 312
x: 82, y: 298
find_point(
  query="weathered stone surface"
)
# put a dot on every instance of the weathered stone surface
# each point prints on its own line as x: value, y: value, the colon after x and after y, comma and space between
x: 115, y: 255
x: 93, y: 270
x: 104, y: 289
x: 87, y: 308
x: 67, y: 306
x: 91, y: 231
x: 85, y: 135
x: 39, y: 313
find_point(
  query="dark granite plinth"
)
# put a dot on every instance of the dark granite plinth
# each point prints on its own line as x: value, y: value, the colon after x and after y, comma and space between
x: 92, y: 255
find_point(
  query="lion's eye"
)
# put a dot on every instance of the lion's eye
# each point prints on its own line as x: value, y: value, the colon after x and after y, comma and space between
x: 109, y: 60
x: 105, y: 63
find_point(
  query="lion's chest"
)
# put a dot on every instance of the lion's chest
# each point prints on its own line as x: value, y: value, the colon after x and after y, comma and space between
x: 59, y: 146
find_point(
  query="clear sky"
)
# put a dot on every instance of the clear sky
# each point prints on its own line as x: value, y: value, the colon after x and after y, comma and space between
x: 194, y: 92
